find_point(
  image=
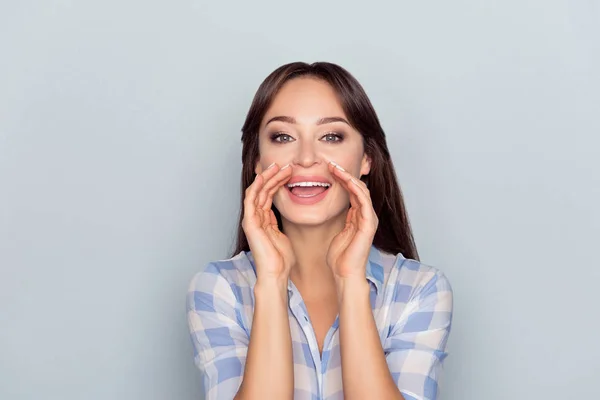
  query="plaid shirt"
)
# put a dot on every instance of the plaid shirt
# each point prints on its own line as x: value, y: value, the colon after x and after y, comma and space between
x: 412, y: 308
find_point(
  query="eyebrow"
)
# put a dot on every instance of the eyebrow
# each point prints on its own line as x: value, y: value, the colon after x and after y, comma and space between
x: 320, y: 121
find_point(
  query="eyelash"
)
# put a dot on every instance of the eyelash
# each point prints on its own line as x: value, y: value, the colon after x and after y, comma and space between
x: 337, y: 135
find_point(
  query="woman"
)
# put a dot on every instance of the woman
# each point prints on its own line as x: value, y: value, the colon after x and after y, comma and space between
x: 324, y: 297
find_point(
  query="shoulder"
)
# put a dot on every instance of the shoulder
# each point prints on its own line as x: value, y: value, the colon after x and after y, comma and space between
x: 237, y: 270
x: 230, y: 280
x: 409, y: 279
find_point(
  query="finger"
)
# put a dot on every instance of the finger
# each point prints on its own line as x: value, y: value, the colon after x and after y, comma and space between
x: 250, y: 195
x: 272, y: 230
x: 259, y: 180
x: 266, y: 219
x: 339, y: 172
x: 362, y: 196
x: 366, y: 205
x: 273, y: 220
x: 362, y: 185
x: 267, y: 174
x: 272, y: 186
x: 350, y: 217
x: 277, y: 239
x: 347, y: 181
x: 287, y: 174
x: 346, y: 176
x: 251, y: 217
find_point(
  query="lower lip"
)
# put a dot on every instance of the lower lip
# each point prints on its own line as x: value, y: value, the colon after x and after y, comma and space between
x: 307, y: 200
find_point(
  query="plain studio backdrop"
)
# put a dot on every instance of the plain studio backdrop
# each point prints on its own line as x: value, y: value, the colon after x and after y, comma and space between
x: 120, y: 163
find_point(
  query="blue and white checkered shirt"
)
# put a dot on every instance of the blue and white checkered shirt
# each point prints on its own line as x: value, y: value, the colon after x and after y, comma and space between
x: 412, y: 307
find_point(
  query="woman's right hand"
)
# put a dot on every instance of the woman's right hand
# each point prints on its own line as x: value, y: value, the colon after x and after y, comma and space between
x: 271, y: 249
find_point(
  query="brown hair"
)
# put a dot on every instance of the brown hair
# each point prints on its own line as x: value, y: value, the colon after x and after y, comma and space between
x: 393, y: 234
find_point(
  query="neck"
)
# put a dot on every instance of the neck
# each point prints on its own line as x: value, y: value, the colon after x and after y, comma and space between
x: 310, y: 245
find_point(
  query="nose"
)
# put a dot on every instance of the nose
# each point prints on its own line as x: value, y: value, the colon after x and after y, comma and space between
x: 306, y: 155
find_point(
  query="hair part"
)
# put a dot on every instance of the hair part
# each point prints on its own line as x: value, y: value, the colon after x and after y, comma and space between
x: 394, y: 234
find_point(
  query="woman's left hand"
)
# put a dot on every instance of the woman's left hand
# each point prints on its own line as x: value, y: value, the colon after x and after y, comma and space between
x: 348, y: 252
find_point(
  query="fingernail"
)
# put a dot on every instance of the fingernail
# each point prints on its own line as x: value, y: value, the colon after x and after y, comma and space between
x: 285, y: 166
x: 355, y: 182
x: 337, y: 166
x: 270, y: 166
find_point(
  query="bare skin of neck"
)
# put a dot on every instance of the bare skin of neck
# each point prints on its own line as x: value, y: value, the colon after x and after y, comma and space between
x: 311, y: 274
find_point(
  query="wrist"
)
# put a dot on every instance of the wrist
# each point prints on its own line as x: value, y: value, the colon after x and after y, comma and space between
x: 354, y: 287
x: 268, y: 288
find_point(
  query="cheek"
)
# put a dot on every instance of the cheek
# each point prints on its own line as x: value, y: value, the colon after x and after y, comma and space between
x: 349, y: 159
x: 274, y: 154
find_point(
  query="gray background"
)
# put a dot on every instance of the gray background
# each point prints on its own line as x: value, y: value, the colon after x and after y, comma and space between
x: 120, y: 160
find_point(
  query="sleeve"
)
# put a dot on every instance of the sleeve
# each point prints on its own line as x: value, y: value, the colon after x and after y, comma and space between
x: 217, y: 333
x: 416, y: 347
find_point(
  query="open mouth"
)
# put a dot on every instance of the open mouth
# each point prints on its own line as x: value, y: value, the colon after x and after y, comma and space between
x: 307, y: 189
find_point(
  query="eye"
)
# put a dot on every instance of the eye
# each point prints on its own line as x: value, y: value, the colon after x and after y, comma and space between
x: 333, y: 137
x: 280, y: 137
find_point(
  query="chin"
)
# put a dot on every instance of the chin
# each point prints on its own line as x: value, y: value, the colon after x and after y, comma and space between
x: 304, y: 218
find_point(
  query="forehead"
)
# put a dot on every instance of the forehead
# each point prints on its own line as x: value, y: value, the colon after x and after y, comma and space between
x: 306, y: 99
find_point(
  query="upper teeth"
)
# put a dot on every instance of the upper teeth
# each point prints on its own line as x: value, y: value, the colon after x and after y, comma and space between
x: 324, y: 184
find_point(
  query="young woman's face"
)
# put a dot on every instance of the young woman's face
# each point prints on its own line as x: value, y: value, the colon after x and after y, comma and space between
x: 306, y: 128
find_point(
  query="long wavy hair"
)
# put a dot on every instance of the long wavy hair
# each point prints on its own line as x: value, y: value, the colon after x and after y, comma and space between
x: 394, y: 234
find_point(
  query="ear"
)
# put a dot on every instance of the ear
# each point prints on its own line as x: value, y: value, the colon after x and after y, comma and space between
x: 365, y: 165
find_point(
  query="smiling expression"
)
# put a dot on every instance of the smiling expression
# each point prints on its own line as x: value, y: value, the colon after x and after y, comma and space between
x: 306, y: 127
